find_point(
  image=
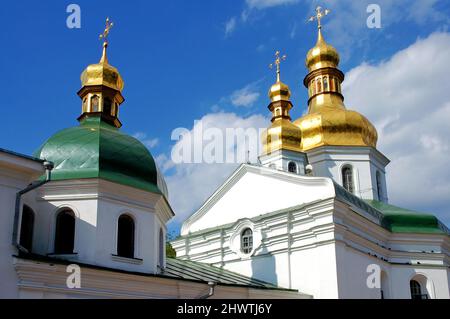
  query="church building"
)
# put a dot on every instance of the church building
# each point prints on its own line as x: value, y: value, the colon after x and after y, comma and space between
x: 314, y: 214
x: 86, y: 215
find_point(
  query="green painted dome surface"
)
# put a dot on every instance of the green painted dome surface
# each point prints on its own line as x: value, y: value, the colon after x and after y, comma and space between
x: 401, y: 220
x: 95, y: 149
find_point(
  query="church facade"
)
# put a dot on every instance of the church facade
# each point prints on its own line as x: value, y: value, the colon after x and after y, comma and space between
x: 86, y: 215
x: 313, y: 214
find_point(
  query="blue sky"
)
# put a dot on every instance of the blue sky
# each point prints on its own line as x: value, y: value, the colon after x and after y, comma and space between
x: 189, y: 60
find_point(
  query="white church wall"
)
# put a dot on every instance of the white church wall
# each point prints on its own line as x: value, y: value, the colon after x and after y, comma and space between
x: 250, y: 197
x: 365, y: 162
x: 15, y: 174
x: 146, y: 239
x: 97, y: 206
x: 313, y: 271
x: 42, y: 280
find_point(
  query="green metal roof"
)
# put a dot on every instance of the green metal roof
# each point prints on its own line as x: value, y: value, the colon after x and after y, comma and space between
x: 393, y: 218
x: 204, y: 272
x: 95, y: 149
x: 401, y: 220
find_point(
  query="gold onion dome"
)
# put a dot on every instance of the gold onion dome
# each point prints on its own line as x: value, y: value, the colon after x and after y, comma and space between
x: 102, y: 73
x: 328, y: 122
x: 102, y: 86
x: 282, y: 134
x: 322, y: 55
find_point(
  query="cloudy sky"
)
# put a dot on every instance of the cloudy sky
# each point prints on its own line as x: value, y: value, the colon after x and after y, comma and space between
x: 184, y: 61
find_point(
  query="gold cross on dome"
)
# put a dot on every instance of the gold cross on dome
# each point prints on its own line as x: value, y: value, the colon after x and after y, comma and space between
x: 105, y: 33
x: 319, y: 15
x: 277, y: 63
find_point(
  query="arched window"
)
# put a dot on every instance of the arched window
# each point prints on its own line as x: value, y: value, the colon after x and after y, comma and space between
x: 125, y: 237
x: 27, y: 228
x: 319, y: 85
x: 85, y: 105
x: 313, y: 87
x: 347, y: 179
x: 379, y: 186
x: 107, y: 106
x: 292, y: 167
x: 95, y: 101
x: 65, y: 232
x: 247, y: 241
x: 325, y: 84
x: 161, y: 248
x: 332, y: 85
x: 416, y: 290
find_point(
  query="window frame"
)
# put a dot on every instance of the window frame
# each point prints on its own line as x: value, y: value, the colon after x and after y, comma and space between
x: 246, y: 241
x: 27, y: 242
x: 294, y: 165
x: 59, y: 248
x: 348, y: 183
x: 129, y: 252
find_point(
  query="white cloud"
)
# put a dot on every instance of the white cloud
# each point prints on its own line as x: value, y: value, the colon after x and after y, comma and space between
x: 246, y: 96
x: 408, y: 100
x: 230, y: 26
x: 262, y: 4
x: 147, y: 141
x: 190, y: 184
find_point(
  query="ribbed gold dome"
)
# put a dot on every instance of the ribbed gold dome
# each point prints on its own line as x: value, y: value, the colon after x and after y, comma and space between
x: 279, y: 92
x: 102, y: 74
x: 282, y: 134
x: 322, y: 55
x: 336, y: 127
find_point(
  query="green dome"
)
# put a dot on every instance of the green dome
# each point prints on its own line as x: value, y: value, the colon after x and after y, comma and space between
x: 95, y: 149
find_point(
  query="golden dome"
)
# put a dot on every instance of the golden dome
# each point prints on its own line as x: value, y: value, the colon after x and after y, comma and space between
x: 322, y: 55
x: 336, y: 127
x: 102, y: 74
x: 279, y: 92
x: 282, y: 134
x: 328, y: 122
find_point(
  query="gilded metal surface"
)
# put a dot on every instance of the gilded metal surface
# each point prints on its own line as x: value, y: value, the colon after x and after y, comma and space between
x: 102, y: 73
x: 337, y: 127
x: 279, y: 91
x: 322, y: 55
x: 328, y: 122
x: 282, y: 134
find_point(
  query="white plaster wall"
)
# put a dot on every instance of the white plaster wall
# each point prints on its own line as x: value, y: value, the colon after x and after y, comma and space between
x: 438, y: 281
x: 9, y: 186
x: 330, y: 161
x: 314, y: 271
x: 146, y: 239
x: 251, y: 196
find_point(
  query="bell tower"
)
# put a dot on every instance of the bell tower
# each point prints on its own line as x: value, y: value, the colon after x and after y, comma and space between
x: 281, y: 141
x: 340, y: 143
x: 102, y: 86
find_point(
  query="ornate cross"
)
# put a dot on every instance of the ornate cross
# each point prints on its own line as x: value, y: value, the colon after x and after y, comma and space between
x: 319, y: 15
x: 277, y: 63
x: 105, y: 33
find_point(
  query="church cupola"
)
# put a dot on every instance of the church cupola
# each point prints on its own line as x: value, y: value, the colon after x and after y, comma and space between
x: 282, y: 134
x: 324, y: 78
x: 328, y: 122
x: 340, y: 143
x: 102, y: 86
x: 282, y: 140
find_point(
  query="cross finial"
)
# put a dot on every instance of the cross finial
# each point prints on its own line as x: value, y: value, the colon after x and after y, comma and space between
x: 105, y: 33
x: 277, y: 63
x: 319, y: 15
